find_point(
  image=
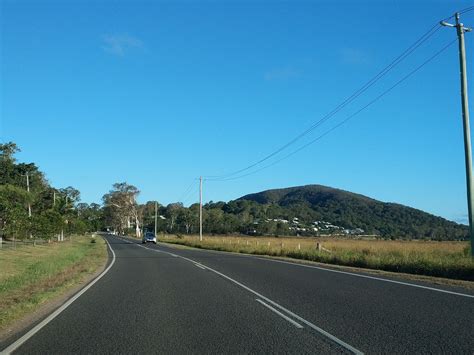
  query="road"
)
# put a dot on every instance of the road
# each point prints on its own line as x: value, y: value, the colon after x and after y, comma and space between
x: 161, y: 299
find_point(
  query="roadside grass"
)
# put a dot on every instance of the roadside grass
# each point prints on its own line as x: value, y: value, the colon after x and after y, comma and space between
x: 32, y: 275
x: 429, y: 258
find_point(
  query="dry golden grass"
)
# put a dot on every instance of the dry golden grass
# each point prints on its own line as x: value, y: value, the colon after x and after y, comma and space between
x: 442, y: 259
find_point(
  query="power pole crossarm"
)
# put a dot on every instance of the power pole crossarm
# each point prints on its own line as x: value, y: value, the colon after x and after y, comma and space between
x: 460, y: 29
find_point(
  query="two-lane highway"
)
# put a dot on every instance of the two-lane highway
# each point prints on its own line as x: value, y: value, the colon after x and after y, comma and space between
x: 160, y: 299
x: 373, y: 314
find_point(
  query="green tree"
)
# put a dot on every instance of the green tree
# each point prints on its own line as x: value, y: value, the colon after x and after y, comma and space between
x: 14, y: 220
x: 121, y: 209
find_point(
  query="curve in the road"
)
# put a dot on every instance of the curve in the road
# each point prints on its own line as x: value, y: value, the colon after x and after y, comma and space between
x: 308, y: 323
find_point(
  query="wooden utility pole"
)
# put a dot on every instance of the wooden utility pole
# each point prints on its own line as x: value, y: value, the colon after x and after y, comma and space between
x: 200, y: 208
x: 465, y: 119
x: 29, y: 199
x: 156, y: 216
x: 28, y: 189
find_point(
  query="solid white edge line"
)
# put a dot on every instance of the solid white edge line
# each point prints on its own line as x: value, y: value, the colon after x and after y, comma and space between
x: 369, y: 277
x: 19, y: 342
x: 243, y: 255
x: 297, y: 325
x: 311, y: 325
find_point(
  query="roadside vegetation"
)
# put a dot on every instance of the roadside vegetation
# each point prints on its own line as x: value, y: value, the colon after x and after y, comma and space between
x: 32, y: 209
x: 32, y: 275
x: 43, y: 250
x: 431, y: 258
x: 306, y: 211
x: 283, y: 222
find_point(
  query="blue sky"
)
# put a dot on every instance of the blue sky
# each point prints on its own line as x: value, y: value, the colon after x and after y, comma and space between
x: 158, y: 93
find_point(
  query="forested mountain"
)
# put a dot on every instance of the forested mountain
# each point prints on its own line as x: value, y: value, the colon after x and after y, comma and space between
x: 31, y: 207
x: 311, y: 210
x: 349, y: 210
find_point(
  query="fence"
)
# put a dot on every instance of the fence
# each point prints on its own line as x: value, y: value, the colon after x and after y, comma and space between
x: 18, y: 243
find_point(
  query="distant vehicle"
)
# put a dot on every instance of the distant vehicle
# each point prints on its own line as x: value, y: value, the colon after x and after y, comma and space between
x: 149, y: 237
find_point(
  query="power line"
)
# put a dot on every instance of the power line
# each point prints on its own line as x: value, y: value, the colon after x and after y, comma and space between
x: 190, y: 196
x: 428, y: 34
x: 186, y: 191
x: 468, y: 9
x: 348, y: 118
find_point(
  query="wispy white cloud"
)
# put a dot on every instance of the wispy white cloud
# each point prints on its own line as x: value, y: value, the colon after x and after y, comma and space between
x: 282, y: 74
x: 354, y: 56
x: 119, y: 44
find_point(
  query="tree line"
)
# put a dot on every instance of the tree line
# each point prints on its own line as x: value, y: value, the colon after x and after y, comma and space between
x: 301, y: 211
x: 31, y: 208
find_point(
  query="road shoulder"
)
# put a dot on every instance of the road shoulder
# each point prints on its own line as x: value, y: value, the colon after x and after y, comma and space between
x: 22, y: 325
x: 436, y: 281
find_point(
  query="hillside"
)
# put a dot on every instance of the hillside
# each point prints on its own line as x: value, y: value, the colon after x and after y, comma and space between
x: 353, y: 211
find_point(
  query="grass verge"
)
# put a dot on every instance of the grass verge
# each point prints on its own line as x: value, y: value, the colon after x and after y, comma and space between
x: 429, y: 258
x: 32, y: 275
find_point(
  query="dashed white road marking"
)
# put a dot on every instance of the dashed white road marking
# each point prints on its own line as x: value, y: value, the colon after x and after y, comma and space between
x: 273, y: 303
x: 243, y: 255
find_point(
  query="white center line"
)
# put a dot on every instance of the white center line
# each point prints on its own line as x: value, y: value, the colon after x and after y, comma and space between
x: 297, y: 325
x: 200, y: 266
x: 297, y: 264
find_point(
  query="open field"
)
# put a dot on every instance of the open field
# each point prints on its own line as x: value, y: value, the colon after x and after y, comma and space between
x: 440, y: 259
x: 32, y: 275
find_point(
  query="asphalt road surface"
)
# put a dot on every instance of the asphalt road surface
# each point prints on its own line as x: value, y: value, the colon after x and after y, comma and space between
x: 161, y: 299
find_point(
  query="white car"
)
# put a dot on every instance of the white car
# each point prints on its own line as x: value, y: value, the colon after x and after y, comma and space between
x: 149, y: 237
